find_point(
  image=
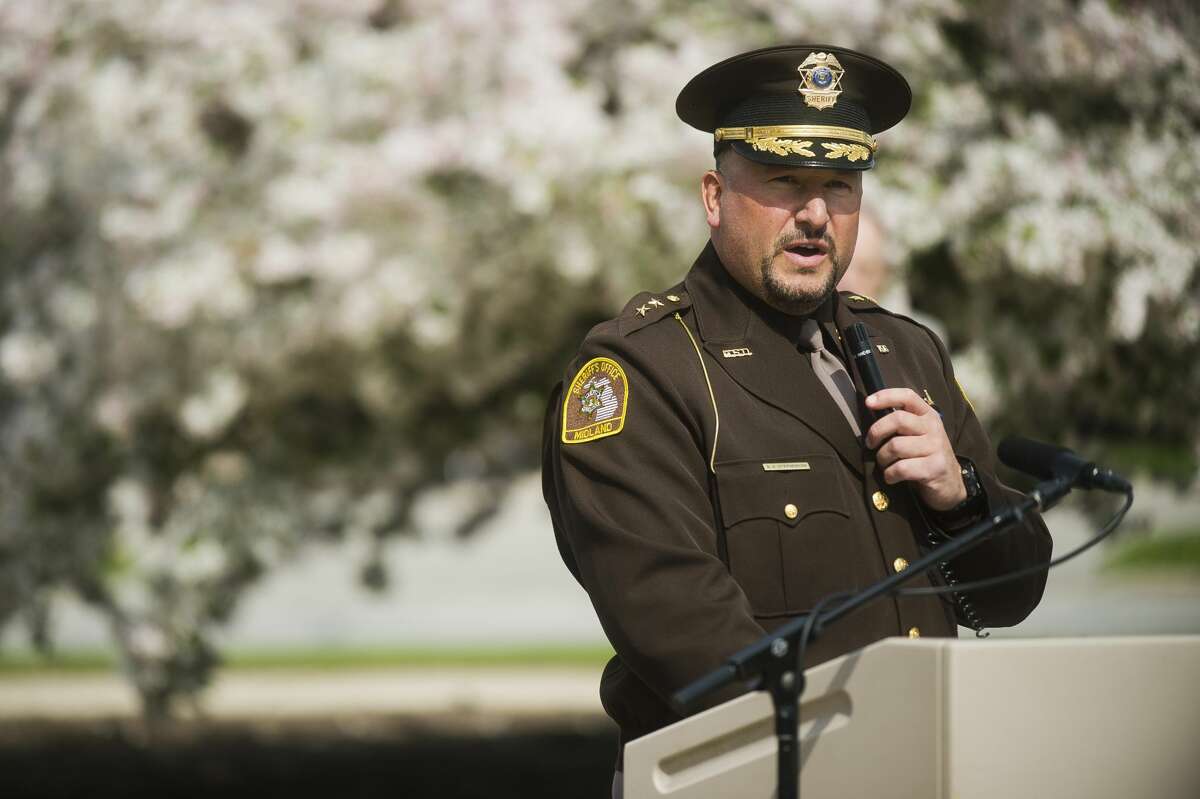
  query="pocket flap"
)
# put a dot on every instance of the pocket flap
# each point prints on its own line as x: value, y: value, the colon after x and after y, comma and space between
x: 784, y: 489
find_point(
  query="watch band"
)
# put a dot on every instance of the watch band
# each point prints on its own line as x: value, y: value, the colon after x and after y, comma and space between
x: 971, y: 508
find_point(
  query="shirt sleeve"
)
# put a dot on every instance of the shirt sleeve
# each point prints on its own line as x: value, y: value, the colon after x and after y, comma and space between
x: 1017, y: 547
x: 635, y: 513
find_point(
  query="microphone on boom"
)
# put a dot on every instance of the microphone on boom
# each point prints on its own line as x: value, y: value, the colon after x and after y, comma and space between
x: 1050, y: 462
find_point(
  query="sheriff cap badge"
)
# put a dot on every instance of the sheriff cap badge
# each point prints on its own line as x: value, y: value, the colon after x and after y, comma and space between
x: 820, y: 80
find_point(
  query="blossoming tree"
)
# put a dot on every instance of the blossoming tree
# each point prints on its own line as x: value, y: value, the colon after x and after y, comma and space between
x: 270, y: 270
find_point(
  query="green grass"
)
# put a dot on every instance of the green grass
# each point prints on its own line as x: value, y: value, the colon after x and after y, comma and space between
x: 422, y: 657
x: 62, y: 663
x: 1176, y: 551
x: 1177, y: 464
x: 333, y: 659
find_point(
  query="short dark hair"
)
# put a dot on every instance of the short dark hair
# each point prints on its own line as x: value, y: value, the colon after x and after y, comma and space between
x: 719, y: 149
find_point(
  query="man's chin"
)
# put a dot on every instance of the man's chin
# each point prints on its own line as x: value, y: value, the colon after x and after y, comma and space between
x: 798, y: 297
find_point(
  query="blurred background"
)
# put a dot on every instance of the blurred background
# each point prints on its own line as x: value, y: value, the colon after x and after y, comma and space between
x: 284, y: 285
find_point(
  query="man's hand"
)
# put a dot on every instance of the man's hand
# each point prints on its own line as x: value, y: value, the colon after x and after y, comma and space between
x: 915, y: 448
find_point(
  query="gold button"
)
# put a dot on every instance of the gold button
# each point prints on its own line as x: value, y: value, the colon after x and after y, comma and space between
x: 880, y: 499
x: 900, y: 564
x: 914, y: 632
x: 672, y: 298
x: 791, y: 511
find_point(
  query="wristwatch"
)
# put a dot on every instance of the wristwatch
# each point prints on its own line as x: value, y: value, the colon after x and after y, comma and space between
x: 971, y: 508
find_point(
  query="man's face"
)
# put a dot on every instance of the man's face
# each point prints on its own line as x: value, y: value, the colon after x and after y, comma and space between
x: 786, y: 234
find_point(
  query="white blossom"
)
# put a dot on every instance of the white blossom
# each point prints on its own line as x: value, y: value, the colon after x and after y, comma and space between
x: 184, y: 285
x: 205, y: 414
x: 114, y: 411
x: 280, y: 259
x: 27, y: 358
x: 129, y: 501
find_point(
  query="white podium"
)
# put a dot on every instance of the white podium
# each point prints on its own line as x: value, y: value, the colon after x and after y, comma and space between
x: 1091, y: 718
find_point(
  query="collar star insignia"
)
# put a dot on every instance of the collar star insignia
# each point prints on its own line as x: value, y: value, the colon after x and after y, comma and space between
x: 655, y: 301
x: 642, y: 310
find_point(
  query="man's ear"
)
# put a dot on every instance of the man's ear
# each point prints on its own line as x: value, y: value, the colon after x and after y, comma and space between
x: 710, y: 194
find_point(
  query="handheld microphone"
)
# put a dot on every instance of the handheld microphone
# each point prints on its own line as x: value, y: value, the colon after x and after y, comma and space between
x: 864, y: 362
x: 1050, y: 462
x: 872, y: 380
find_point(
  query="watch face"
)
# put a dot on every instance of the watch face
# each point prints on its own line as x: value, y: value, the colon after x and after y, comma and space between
x: 971, y: 481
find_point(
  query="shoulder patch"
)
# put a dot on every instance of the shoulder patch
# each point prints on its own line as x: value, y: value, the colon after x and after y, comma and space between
x: 594, y: 406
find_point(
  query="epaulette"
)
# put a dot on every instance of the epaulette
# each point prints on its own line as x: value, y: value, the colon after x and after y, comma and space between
x: 860, y: 302
x: 646, y: 308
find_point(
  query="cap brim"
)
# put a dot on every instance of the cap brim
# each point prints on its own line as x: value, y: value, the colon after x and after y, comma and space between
x: 863, y: 157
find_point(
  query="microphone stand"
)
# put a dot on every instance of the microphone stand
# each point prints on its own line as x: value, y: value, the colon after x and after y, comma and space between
x: 771, y: 660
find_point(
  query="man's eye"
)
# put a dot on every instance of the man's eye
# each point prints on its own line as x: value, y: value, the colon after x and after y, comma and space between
x: 840, y: 185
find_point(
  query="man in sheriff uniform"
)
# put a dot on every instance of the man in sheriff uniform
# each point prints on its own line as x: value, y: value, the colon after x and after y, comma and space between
x: 713, y: 466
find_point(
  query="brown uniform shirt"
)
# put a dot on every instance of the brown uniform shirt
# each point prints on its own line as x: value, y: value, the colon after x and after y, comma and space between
x: 726, y: 492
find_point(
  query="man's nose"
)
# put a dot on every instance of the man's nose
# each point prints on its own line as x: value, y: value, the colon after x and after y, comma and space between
x: 813, y: 213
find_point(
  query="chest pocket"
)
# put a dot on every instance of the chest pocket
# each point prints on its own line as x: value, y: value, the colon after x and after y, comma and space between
x: 787, y: 527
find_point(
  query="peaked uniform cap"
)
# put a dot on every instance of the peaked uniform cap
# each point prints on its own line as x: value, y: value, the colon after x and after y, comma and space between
x: 799, y: 105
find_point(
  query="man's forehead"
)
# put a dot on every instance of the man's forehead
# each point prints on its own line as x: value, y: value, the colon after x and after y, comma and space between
x: 814, y: 172
x: 805, y: 173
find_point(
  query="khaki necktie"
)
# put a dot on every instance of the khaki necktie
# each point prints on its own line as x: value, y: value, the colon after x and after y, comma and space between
x: 830, y: 372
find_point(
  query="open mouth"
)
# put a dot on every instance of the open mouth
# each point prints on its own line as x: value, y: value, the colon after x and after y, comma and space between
x: 806, y: 249
x: 807, y: 252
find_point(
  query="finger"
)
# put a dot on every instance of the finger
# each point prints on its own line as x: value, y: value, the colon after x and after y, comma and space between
x: 898, y: 399
x: 900, y: 448
x: 917, y: 470
x: 896, y: 423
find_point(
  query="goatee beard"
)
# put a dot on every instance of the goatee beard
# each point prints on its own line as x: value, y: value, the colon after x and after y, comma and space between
x: 794, y: 301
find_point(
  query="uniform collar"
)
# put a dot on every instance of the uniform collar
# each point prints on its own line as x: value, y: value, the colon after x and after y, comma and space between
x: 712, y: 288
x: 730, y: 320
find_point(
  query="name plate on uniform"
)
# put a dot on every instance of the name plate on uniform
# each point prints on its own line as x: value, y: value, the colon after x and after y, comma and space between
x: 787, y: 466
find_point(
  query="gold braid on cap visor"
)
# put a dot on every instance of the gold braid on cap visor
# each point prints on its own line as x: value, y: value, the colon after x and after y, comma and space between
x: 854, y: 145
